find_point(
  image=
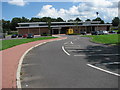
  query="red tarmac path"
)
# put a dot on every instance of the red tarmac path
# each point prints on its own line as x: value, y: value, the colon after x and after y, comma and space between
x: 10, y: 61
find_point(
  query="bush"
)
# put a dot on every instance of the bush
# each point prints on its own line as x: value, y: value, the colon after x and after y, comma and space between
x: 45, y: 34
x: 74, y: 34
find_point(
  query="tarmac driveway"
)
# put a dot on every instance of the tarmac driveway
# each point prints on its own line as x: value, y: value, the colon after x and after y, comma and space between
x: 64, y: 64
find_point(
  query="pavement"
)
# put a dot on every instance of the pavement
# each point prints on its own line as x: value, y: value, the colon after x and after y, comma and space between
x: 69, y: 64
x: 10, y: 59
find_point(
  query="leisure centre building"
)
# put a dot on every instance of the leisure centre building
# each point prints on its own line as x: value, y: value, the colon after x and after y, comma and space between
x: 38, y: 28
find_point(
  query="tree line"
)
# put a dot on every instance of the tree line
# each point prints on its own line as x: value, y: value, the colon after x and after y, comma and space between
x: 9, y: 26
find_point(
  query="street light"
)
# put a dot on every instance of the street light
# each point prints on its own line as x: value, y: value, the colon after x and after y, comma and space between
x: 97, y: 18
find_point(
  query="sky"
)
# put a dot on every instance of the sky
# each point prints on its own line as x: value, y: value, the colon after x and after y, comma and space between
x: 67, y: 10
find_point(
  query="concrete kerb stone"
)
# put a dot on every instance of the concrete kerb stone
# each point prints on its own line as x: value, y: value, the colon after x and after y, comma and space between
x: 18, y: 80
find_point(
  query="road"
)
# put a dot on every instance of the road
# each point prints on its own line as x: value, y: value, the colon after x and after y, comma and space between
x: 66, y: 64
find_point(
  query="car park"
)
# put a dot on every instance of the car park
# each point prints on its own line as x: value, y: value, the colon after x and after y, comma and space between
x: 100, y: 33
x: 24, y: 36
x: 19, y: 35
x: 111, y: 31
x: 14, y: 36
x: 105, y: 32
x: 30, y: 36
x: 83, y: 32
x: 95, y: 33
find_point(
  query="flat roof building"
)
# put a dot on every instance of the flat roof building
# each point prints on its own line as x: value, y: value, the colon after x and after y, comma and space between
x: 39, y: 28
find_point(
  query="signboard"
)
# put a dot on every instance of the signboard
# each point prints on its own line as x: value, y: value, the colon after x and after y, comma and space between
x: 70, y: 31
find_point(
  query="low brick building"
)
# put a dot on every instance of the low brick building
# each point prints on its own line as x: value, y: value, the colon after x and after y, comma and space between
x: 39, y: 28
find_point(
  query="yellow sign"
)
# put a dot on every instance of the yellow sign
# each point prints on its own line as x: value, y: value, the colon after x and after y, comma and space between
x: 70, y: 31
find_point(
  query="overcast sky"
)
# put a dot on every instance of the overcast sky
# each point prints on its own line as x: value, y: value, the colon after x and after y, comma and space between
x: 67, y: 10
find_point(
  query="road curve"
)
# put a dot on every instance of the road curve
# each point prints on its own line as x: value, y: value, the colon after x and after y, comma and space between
x: 48, y: 66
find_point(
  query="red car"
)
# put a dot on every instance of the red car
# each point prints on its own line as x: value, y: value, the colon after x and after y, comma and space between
x: 25, y: 36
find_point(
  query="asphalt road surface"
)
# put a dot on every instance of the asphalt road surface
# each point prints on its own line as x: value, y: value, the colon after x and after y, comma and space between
x: 70, y: 64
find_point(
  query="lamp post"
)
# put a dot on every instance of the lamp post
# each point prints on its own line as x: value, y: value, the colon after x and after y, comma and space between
x: 97, y: 18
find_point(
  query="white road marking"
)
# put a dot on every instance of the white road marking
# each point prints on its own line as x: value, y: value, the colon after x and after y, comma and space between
x: 104, y: 70
x: 65, y: 51
x: 72, y: 45
x: 71, y: 42
x: 98, y: 55
x: 66, y: 43
x: 84, y: 50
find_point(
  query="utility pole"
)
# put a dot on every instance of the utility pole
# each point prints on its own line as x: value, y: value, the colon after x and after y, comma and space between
x: 97, y: 18
x: 49, y: 27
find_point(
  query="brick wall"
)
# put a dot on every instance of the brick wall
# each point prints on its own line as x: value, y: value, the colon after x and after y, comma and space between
x: 44, y: 30
x: 23, y: 31
x: 101, y: 28
x: 35, y: 31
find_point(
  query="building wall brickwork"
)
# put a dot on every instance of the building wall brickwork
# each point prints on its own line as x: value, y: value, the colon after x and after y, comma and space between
x: 77, y: 29
x: 101, y: 28
x: 44, y: 30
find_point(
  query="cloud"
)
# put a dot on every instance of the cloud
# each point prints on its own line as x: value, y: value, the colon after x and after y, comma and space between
x: 107, y: 11
x: 17, y: 2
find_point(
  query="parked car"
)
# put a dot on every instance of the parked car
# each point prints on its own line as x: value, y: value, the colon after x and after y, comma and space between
x: 30, y: 36
x: 95, y: 32
x: 111, y: 31
x: 83, y: 32
x: 19, y: 35
x: 14, y: 36
x: 25, y: 36
x: 105, y: 32
x: 100, y: 33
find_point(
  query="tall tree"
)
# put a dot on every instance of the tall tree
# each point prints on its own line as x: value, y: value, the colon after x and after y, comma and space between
x: 102, y: 22
x: 34, y: 19
x: 115, y: 21
x: 23, y: 19
x: 70, y: 20
x: 78, y: 19
x: 14, y: 23
x: 45, y: 19
x: 6, y: 26
x: 49, y: 26
x: 87, y: 20
x: 59, y: 19
x: 99, y: 19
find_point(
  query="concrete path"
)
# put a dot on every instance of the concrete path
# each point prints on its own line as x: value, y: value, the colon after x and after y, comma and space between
x: 10, y: 60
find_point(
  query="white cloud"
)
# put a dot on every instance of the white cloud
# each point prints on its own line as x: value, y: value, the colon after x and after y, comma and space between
x: 17, y: 2
x: 107, y: 11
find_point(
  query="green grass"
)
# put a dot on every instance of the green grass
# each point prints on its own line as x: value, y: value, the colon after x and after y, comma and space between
x: 4, y: 44
x: 105, y: 39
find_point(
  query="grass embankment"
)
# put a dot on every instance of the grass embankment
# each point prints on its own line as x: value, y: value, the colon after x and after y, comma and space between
x: 14, y: 42
x: 105, y: 39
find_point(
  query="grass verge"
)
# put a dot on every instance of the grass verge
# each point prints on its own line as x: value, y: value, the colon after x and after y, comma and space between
x: 105, y: 39
x: 4, y: 44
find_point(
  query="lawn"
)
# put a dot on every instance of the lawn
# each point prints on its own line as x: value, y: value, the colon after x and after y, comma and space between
x: 105, y: 39
x: 4, y: 44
